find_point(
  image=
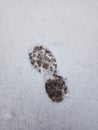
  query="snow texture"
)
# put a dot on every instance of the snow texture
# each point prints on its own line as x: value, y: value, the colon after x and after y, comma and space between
x: 70, y: 30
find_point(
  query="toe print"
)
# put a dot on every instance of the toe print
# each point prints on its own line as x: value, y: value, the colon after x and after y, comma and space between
x: 45, y: 63
x: 44, y: 60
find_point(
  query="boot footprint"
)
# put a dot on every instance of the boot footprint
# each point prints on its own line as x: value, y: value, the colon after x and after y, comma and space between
x: 45, y: 63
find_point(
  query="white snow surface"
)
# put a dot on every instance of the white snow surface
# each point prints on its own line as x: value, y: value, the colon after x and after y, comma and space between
x: 69, y: 28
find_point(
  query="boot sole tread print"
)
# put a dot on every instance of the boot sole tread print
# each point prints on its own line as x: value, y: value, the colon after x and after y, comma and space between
x: 45, y: 63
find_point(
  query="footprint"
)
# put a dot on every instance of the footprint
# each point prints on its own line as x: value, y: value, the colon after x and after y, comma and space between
x: 45, y: 63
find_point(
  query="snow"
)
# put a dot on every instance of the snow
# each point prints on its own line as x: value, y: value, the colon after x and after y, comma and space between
x: 69, y: 29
